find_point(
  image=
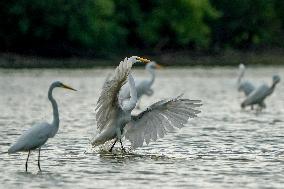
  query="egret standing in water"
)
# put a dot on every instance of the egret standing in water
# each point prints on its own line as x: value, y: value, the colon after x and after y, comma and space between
x: 244, y: 86
x: 143, y: 87
x: 113, y: 111
x: 37, y: 136
x: 259, y: 95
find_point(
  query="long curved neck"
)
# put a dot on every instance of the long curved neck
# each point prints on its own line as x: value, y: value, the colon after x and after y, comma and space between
x: 131, y: 103
x: 241, y: 75
x: 152, y: 73
x: 55, y: 121
x: 272, y: 87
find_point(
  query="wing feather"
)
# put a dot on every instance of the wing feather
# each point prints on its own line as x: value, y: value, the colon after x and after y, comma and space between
x: 174, y: 121
x: 160, y: 129
x: 167, y: 125
x: 107, y: 105
x: 160, y: 118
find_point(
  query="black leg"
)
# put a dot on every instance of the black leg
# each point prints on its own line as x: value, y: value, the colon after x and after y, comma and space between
x: 38, y: 160
x: 122, y: 148
x: 110, y: 150
x: 27, y: 161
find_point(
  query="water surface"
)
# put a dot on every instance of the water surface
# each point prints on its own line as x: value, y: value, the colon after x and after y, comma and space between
x: 225, y: 147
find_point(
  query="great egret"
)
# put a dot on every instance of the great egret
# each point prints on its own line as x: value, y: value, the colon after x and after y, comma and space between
x: 143, y: 87
x: 36, y: 136
x: 244, y: 86
x: 113, y: 112
x: 259, y: 95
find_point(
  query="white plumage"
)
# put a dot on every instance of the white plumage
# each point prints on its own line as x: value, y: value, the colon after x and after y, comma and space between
x: 160, y: 118
x: 260, y: 94
x: 244, y: 86
x: 33, y: 138
x: 37, y: 136
x: 113, y: 111
x: 143, y: 87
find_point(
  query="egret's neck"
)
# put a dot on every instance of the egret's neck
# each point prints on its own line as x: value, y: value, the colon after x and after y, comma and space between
x: 130, y: 104
x: 271, y: 89
x: 273, y: 86
x: 55, y: 122
x: 152, y: 73
x: 241, y: 75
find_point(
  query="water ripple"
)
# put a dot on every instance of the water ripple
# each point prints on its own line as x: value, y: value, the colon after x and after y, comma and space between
x: 225, y: 147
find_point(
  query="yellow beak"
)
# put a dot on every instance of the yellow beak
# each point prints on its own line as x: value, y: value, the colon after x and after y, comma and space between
x: 144, y: 60
x: 67, y: 87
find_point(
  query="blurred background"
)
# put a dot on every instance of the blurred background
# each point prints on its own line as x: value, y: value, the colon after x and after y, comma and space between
x: 176, y: 32
x: 225, y: 147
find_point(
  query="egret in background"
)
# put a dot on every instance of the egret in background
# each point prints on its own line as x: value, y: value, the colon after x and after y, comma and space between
x: 37, y: 136
x: 244, y: 86
x: 143, y: 87
x: 259, y: 95
x: 113, y: 111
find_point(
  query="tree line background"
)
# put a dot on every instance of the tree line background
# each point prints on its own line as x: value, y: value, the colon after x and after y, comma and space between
x: 104, y: 27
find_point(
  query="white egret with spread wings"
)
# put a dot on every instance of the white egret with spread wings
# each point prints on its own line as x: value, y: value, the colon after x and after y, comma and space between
x: 37, y: 136
x: 113, y: 111
x: 260, y: 94
x: 143, y: 87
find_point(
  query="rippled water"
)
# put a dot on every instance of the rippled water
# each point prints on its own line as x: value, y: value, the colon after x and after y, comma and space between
x: 225, y: 147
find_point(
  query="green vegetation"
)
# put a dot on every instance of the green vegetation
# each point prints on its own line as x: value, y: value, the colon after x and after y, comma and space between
x: 246, y: 23
x: 108, y: 27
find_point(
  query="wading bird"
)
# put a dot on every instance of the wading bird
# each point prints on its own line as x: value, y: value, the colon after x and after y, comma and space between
x: 143, y: 87
x: 259, y: 95
x: 113, y: 112
x: 244, y: 86
x: 36, y: 136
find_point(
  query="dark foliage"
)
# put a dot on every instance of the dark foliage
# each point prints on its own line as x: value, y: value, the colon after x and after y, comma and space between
x: 104, y: 27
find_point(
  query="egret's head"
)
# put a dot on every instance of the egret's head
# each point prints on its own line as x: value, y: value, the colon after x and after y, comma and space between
x: 135, y: 59
x: 241, y: 66
x: 153, y: 65
x: 60, y: 84
x: 276, y: 79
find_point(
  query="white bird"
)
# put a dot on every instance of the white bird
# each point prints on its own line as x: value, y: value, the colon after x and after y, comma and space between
x: 244, y: 86
x: 113, y: 112
x: 37, y: 136
x: 143, y: 87
x: 259, y: 95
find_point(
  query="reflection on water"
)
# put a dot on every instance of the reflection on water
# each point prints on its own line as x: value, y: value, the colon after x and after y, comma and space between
x: 225, y: 147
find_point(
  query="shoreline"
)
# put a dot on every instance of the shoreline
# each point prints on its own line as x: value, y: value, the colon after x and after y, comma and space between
x: 175, y: 59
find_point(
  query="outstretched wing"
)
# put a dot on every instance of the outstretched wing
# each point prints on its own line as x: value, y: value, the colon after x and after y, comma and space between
x: 107, y: 105
x: 107, y: 79
x: 160, y: 118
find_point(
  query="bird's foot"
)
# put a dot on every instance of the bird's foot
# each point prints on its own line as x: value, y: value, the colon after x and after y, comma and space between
x: 122, y: 148
x: 110, y: 150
